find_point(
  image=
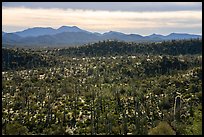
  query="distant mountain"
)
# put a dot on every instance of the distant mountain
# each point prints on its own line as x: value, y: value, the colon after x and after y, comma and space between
x: 155, y: 36
x: 113, y: 35
x: 60, y: 39
x: 66, y: 36
x: 40, y: 31
x: 174, y: 36
x: 10, y: 38
x: 37, y: 31
x: 3, y: 33
x: 181, y: 36
x: 70, y: 29
x: 98, y: 34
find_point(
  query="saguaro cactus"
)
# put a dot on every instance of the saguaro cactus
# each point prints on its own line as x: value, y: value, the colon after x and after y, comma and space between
x: 177, y: 107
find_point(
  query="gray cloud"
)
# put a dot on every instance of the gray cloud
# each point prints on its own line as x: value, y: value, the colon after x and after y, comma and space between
x: 112, y: 6
x: 167, y: 17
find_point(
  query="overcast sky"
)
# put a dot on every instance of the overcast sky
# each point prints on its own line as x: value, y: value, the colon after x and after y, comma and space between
x: 129, y: 17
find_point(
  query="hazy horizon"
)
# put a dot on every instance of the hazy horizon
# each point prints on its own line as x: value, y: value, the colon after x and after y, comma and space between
x: 105, y: 31
x: 144, y: 18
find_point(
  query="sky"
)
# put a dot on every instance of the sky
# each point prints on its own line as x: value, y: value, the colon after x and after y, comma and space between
x: 142, y: 18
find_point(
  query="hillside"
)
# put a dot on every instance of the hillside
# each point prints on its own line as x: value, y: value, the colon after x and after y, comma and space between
x: 105, y: 88
x: 18, y: 59
x: 14, y: 59
x: 107, y: 48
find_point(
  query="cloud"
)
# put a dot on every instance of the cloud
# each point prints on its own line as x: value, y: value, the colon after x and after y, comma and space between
x: 100, y: 20
x: 111, y: 6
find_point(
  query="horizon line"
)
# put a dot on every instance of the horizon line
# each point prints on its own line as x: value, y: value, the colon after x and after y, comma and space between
x: 102, y: 32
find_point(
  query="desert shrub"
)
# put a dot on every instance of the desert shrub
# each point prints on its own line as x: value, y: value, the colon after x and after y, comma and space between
x: 54, y: 130
x: 163, y: 128
x: 16, y: 129
x: 196, y: 127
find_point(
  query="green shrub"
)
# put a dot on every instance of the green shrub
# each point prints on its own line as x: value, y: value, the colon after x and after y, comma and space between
x: 163, y: 128
x: 196, y: 128
x: 16, y: 129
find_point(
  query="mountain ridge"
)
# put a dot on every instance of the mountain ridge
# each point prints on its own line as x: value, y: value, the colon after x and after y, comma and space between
x: 73, y: 35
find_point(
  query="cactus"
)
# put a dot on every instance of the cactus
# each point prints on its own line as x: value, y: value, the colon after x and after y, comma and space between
x: 137, y: 110
x: 125, y: 128
x: 177, y: 108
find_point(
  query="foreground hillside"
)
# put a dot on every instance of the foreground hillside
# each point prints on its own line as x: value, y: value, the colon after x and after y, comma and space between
x: 88, y: 90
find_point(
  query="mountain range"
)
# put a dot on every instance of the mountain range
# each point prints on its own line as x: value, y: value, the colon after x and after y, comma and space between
x: 72, y: 35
